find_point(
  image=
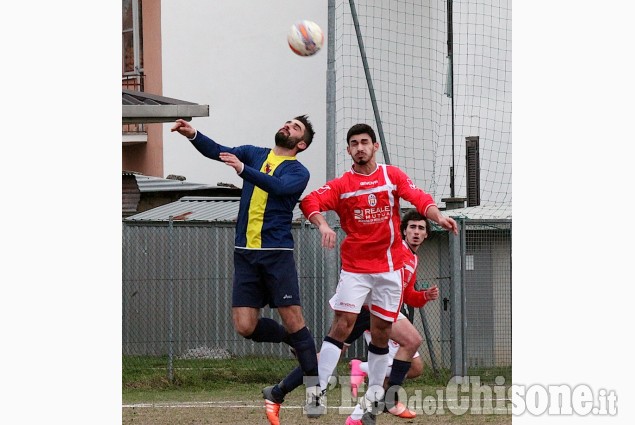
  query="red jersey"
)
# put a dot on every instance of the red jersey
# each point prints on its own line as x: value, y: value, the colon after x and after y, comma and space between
x: 368, y: 208
x: 411, y: 296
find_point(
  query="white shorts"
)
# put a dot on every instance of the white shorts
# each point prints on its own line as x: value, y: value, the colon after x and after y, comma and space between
x: 393, y: 346
x: 382, y: 292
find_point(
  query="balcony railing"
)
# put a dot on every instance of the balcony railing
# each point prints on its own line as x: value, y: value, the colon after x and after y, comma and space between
x: 136, y: 83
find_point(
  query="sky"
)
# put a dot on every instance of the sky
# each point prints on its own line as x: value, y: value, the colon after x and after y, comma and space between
x: 242, y: 67
x: 61, y: 263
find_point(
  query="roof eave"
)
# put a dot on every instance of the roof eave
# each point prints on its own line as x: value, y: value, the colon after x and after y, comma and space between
x: 132, y: 114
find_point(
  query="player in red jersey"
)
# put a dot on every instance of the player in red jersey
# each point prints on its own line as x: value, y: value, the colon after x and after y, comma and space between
x: 404, y: 337
x: 366, y: 199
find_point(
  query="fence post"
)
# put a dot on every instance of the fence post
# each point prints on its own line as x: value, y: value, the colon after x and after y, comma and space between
x: 457, y: 305
x: 170, y: 299
x: 330, y: 256
x: 332, y: 273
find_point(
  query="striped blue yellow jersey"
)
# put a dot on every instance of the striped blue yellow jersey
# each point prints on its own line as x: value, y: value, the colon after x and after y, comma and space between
x: 272, y: 187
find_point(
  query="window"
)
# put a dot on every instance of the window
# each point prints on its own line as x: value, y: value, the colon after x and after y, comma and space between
x: 132, y: 39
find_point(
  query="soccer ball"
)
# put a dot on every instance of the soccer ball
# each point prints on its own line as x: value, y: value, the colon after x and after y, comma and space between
x: 305, y: 38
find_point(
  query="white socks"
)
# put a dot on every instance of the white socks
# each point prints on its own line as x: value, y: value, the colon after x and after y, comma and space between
x: 327, y: 362
x: 377, y: 365
x: 364, y: 368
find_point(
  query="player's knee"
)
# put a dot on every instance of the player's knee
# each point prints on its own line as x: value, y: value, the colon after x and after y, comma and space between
x: 244, y: 328
x: 416, y: 368
x: 418, y: 340
x: 244, y: 332
x: 245, y: 320
x: 412, y: 341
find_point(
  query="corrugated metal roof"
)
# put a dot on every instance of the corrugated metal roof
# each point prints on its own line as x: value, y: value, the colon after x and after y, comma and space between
x: 157, y: 184
x: 482, y: 212
x: 199, y: 208
x: 206, y: 208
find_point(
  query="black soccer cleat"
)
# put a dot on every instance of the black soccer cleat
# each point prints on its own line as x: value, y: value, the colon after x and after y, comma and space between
x: 369, y: 419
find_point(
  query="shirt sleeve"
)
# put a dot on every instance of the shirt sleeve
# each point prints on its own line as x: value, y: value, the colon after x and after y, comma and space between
x: 407, y: 190
x: 322, y: 199
x: 210, y: 148
x: 293, y: 180
x: 413, y: 297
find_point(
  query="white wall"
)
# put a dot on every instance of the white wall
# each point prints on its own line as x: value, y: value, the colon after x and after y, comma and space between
x: 233, y: 56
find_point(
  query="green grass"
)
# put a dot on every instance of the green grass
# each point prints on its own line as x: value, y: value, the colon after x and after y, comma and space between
x: 150, y: 374
x: 488, y: 375
x: 240, y: 380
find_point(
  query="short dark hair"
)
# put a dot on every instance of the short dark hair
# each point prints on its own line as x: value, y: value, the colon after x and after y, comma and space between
x: 412, y: 215
x: 361, y: 129
x: 308, y: 129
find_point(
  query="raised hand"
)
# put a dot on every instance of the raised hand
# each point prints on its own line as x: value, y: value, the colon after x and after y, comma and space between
x: 184, y: 128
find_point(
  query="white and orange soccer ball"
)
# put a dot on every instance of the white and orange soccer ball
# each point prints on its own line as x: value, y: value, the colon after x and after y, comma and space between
x: 305, y: 38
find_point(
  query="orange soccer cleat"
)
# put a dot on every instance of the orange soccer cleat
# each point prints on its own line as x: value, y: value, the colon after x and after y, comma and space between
x: 272, y: 409
x: 273, y: 412
x: 401, y: 411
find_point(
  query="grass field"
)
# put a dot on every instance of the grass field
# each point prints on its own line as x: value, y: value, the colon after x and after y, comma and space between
x: 228, y: 392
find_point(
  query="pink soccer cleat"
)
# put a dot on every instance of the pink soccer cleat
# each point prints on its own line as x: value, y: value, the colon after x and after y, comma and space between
x: 357, y: 376
x: 351, y: 421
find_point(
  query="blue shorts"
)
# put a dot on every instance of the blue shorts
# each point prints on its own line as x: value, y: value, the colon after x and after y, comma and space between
x: 264, y: 277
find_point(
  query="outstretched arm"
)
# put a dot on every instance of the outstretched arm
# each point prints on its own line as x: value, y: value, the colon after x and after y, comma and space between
x: 201, y: 142
x: 422, y: 201
x: 184, y: 128
x: 447, y: 223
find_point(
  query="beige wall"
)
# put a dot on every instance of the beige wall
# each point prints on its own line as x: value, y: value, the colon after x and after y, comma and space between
x: 147, y: 158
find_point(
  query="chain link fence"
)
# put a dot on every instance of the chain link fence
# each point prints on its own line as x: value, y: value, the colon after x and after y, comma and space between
x: 177, y: 282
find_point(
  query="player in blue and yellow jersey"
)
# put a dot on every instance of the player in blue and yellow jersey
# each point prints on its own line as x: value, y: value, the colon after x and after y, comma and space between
x: 264, y: 268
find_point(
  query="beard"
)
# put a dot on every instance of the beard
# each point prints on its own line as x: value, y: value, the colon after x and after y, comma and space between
x: 285, y: 141
x: 361, y: 161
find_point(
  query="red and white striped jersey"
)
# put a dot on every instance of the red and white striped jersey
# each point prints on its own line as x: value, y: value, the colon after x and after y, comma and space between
x: 411, y: 296
x: 409, y: 267
x: 368, y: 208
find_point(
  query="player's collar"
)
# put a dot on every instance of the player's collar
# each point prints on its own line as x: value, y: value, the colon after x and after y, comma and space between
x: 369, y: 174
x: 408, y: 246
